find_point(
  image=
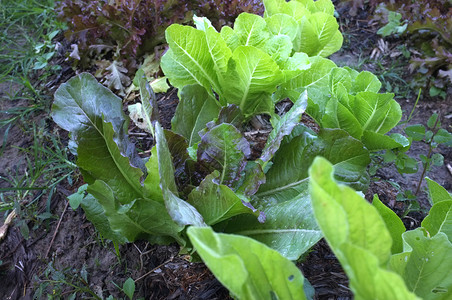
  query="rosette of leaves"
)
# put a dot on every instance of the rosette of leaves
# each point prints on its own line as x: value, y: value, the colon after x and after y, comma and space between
x: 381, y: 258
x: 344, y: 98
x: 136, y: 27
x: 244, y: 64
x: 199, y: 174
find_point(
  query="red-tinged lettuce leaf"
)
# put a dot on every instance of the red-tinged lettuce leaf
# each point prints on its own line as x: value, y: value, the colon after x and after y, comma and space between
x: 195, y: 109
x: 94, y: 116
x: 251, y: 181
x: 231, y: 114
x: 284, y: 127
x: 223, y: 148
x: 217, y: 202
x: 249, y: 269
x: 187, y: 172
x: 180, y: 211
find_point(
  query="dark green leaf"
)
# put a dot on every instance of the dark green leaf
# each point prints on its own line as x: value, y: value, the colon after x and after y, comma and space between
x: 437, y: 159
x: 216, y: 202
x: 432, y: 121
x: 180, y: 211
x: 417, y: 132
x: 94, y: 116
x: 443, y: 136
x: 127, y: 221
x: 195, y: 109
x: 129, y: 288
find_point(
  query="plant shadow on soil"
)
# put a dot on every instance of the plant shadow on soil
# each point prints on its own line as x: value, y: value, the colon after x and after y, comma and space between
x: 55, y: 255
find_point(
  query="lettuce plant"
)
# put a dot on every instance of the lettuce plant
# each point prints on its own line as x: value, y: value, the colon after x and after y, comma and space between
x: 155, y: 199
x: 380, y: 258
x: 344, y: 98
x: 200, y: 174
x: 245, y: 64
x: 261, y: 61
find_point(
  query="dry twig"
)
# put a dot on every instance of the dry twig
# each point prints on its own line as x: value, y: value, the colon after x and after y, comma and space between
x: 56, y: 229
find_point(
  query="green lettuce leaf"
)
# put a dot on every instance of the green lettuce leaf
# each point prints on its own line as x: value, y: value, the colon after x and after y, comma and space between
x: 195, y: 109
x: 291, y: 163
x: 216, y: 202
x: 318, y: 35
x: 393, y: 223
x: 95, y: 213
x: 284, y: 199
x: 317, y: 32
x: 249, y: 269
x: 282, y: 24
x: 180, y: 211
x: 439, y: 218
x: 251, y: 30
x: 436, y: 192
x: 313, y: 79
x: 190, y: 60
x: 127, y: 220
x: 289, y: 226
x: 426, y: 264
x: 357, y: 235
x: 252, y: 77
x: 295, y: 9
x: 149, y: 104
x: 151, y: 184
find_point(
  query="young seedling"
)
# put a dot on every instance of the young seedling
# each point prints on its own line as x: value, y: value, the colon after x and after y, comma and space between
x: 432, y: 135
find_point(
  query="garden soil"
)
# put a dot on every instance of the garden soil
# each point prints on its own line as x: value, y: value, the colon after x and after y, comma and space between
x: 65, y: 254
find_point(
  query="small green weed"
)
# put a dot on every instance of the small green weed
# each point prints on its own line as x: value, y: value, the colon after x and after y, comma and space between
x: 71, y: 283
x: 47, y: 164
